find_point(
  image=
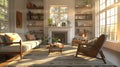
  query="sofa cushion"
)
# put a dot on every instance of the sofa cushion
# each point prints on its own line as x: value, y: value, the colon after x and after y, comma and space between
x: 26, y: 46
x: 12, y: 48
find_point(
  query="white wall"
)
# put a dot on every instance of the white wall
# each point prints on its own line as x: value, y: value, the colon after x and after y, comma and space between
x: 11, y: 15
x: 112, y: 52
x: 71, y: 7
x: 19, y: 5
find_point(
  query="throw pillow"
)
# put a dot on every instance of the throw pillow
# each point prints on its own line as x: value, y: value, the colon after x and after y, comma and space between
x: 2, y: 37
x: 7, y: 39
x: 1, y: 45
x: 22, y: 35
x: 30, y: 37
x: 13, y: 37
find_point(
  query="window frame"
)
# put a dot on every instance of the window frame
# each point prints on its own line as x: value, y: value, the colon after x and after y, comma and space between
x: 59, y: 13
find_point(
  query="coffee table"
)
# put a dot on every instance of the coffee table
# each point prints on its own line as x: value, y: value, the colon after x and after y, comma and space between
x: 53, y: 47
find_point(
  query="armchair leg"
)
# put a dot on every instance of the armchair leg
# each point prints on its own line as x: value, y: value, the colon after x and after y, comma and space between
x: 76, y: 55
x: 103, y: 57
x: 77, y: 52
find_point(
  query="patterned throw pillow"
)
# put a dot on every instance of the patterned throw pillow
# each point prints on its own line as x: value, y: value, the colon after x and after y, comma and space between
x: 1, y: 45
x: 30, y: 37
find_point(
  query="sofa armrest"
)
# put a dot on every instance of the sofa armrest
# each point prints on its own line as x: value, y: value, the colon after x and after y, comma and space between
x: 20, y: 42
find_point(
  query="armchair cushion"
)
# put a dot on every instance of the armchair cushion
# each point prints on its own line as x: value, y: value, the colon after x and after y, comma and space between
x: 92, y: 42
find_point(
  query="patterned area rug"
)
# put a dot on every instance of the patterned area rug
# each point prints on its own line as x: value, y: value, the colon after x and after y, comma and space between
x: 40, y: 57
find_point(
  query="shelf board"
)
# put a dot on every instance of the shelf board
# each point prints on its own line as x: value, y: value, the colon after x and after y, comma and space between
x: 83, y: 14
x: 36, y: 14
x: 58, y: 27
x: 83, y: 7
x: 40, y: 21
x: 35, y: 19
x: 34, y: 26
x: 82, y: 26
x: 83, y: 19
x: 35, y: 7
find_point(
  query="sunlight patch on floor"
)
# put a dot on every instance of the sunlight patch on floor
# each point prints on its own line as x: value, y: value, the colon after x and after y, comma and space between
x: 87, y: 58
x: 70, y: 51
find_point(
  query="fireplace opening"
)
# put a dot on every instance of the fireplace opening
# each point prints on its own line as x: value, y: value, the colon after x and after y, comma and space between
x: 61, y: 35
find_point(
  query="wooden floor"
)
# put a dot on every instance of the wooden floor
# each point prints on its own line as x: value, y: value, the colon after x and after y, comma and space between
x: 8, y: 61
x: 13, y: 58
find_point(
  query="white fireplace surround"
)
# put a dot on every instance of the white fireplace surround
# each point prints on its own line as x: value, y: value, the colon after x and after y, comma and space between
x: 59, y: 29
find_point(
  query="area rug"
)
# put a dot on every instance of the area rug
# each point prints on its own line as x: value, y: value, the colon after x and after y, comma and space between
x: 40, y: 57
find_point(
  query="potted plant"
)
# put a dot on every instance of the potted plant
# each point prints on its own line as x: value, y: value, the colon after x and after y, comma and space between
x: 46, y: 40
x: 50, y: 21
x: 87, y: 3
x: 55, y: 39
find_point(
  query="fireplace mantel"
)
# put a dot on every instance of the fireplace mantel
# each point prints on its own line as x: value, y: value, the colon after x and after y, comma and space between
x: 63, y: 27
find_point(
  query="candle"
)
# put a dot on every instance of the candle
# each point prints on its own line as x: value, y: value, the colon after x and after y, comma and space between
x: 83, y: 35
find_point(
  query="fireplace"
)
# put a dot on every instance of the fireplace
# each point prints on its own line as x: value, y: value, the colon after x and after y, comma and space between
x: 61, y: 35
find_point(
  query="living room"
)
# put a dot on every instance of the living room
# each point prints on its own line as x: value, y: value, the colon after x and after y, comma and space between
x: 66, y: 20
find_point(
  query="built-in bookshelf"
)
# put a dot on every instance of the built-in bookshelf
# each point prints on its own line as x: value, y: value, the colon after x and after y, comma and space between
x: 83, y: 18
x: 35, y: 17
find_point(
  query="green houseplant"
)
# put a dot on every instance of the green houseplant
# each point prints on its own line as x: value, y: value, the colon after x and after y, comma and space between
x: 46, y: 40
x: 55, y: 39
x: 87, y: 3
x: 50, y: 21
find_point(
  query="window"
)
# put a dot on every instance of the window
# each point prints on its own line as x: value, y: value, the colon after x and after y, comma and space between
x: 111, y: 26
x: 3, y: 15
x: 102, y: 4
x: 108, y: 19
x: 59, y: 14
